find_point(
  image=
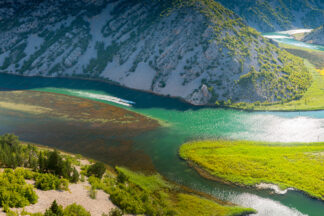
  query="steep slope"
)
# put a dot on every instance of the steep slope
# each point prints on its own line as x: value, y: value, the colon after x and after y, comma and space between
x: 275, y: 15
x: 194, y: 49
x: 316, y: 36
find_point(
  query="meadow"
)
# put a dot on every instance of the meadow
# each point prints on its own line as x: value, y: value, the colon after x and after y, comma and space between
x: 249, y: 163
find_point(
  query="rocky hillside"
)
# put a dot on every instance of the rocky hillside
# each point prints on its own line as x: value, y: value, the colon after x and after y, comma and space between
x: 193, y: 49
x: 275, y: 15
x: 316, y: 36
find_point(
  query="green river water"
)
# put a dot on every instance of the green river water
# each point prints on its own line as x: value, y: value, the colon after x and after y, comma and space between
x: 183, y: 123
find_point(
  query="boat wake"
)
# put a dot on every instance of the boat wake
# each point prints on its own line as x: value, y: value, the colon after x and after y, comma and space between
x: 103, y: 97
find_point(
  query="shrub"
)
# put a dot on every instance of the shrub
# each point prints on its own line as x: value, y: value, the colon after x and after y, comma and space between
x: 75, y: 210
x: 50, y: 182
x: 122, y: 178
x: 75, y: 176
x: 14, y: 192
x: 116, y: 212
x: 92, y: 193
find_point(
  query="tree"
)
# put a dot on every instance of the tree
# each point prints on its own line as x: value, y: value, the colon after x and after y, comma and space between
x: 121, y: 177
x: 54, y: 163
x: 54, y: 210
x: 97, y: 169
x: 42, y: 162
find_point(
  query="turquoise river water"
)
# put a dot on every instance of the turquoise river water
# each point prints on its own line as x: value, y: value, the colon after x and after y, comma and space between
x: 183, y: 123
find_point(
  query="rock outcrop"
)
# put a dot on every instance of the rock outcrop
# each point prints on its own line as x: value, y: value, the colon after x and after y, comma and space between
x: 316, y: 36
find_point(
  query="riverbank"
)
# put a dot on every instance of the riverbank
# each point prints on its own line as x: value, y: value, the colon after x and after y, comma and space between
x: 248, y: 163
x: 66, y: 122
x: 132, y: 192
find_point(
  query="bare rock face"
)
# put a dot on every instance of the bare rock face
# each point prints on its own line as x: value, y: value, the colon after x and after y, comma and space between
x: 196, y: 50
x: 316, y: 36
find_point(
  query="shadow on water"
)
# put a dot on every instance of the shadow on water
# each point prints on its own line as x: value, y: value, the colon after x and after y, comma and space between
x: 13, y: 82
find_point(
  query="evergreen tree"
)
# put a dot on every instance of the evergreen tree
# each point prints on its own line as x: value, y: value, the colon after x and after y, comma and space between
x: 54, y: 210
x: 97, y: 169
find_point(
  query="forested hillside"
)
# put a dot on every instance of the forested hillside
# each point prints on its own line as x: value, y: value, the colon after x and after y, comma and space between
x: 275, y: 15
x: 196, y: 50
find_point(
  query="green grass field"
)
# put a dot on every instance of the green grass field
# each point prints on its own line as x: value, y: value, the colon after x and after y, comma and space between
x: 296, y: 165
x: 182, y: 203
x: 140, y: 193
x: 186, y: 205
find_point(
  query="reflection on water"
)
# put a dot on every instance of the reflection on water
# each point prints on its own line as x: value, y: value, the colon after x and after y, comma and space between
x: 266, y: 207
x: 279, y: 129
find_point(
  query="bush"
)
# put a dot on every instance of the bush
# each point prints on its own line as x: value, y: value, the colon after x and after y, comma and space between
x: 122, y: 178
x: 71, y: 210
x: 75, y: 176
x: 75, y: 210
x: 97, y: 170
x: 50, y: 182
x: 92, y: 193
x: 14, y: 192
x: 116, y: 212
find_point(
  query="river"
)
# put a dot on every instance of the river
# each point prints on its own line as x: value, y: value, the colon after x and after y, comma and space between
x: 183, y: 122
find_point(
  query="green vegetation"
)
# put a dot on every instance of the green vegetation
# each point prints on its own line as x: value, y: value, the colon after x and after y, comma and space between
x: 313, y: 98
x: 14, y: 192
x: 115, y: 212
x: 315, y: 57
x: 186, y: 205
x: 136, y: 193
x: 277, y: 15
x: 132, y: 192
x: 70, y: 210
x: 259, y: 70
x: 49, y: 169
x: 13, y: 154
x: 97, y: 169
x: 49, y: 181
x: 248, y: 163
x: 147, y: 183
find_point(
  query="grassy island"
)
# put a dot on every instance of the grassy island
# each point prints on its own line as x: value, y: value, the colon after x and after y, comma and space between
x: 250, y: 163
x: 32, y: 176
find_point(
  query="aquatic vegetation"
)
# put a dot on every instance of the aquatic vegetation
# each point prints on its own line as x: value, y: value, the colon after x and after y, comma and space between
x: 249, y: 163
